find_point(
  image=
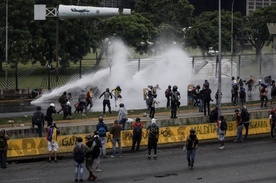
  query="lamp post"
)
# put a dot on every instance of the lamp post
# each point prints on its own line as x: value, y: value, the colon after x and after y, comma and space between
x: 6, y: 45
x: 219, y: 63
x: 232, y: 39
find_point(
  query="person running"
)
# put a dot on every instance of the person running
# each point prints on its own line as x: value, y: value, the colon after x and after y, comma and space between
x: 191, y: 145
x: 106, y: 101
x: 89, y: 97
x: 153, y: 131
x: 62, y: 100
x: 49, y: 114
x: 82, y: 100
x: 117, y: 94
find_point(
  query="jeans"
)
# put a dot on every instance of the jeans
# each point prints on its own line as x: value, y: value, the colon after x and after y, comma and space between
x: 246, y: 126
x: 103, y: 149
x: 123, y: 123
x: 79, y: 170
x: 239, y: 132
x: 3, y: 158
x: 118, y: 140
x: 191, y: 157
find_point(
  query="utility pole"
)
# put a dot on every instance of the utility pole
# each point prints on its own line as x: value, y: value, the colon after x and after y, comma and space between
x: 232, y: 39
x: 6, y: 45
x: 219, y: 61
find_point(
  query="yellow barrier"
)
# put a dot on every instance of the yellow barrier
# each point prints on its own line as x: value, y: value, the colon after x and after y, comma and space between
x: 38, y: 146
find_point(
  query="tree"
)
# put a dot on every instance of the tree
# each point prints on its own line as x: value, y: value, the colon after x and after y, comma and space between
x: 255, y: 30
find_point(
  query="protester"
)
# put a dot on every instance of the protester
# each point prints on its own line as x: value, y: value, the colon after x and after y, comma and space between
x: 263, y: 94
x: 38, y: 120
x: 153, y: 131
x: 89, y: 97
x: 97, y: 151
x: 52, y: 132
x: 49, y: 114
x: 62, y: 100
x: 272, y: 120
x: 117, y: 94
x: 168, y: 94
x: 115, y: 131
x: 239, y: 137
x: 82, y: 100
x: 102, y: 129
x: 191, y: 145
x: 221, y: 131
x: 106, y: 101
x: 67, y: 111
x: 122, y: 116
x: 3, y: 148
x: 89, y: 159
x: 245, y: 117
x: 206, y: 97
x: 273, y: 92
x: 175, y: 97
x: 137, y: 134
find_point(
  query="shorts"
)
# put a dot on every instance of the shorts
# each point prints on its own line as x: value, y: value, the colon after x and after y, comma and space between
x: 52, y: 146
x: 221, y: 136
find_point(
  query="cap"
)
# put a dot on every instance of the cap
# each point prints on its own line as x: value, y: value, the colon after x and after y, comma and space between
x: 153, y: 121
x: 52, y: 104
x: 121, y: 105
x: 192, y: 130
x: 137, y: 119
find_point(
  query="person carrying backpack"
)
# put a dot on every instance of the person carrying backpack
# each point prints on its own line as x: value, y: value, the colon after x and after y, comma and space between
x: 137, y: 134
x: 89, y: 159
x: 272, y: 119
x: 102, y: 129
x: 79, y: 152
x: 191, y: 145
x: 38, y: 120
x: 242, y: 96
x: 245, y: 117
x: 221, y: 130
x: 153, y: 134
x: 3, y: 148
x: 175, y: 97
x: 97, y: 151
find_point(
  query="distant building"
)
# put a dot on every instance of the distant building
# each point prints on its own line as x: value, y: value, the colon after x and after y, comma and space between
x: 252, y: 5
x: 118, y: 3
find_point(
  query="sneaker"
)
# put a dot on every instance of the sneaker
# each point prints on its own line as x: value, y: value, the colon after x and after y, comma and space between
x: 104, y: 157
x: 149, y: 157
x: 49, y: 161
x: 76, y: 180
x: 98, y: 170
x: 81, y: 180
x: 155, y: 157
x: 120, y: 156
x: 56, y: 160
x: 112, y: 156
x: 221, y: 147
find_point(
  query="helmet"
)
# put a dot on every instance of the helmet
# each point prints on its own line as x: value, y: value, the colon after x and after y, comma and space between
x: 175, y: 87
x: 107, y: 89
x: 67, y: 103
x: 260, y: 80
x: 153, y: 121
x: 52, y: 105
x: 169, y: 86
x: 121, y: 105
x: 192, y: 130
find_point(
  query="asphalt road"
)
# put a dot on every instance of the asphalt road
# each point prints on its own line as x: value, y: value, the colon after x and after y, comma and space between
x: 250, y: 161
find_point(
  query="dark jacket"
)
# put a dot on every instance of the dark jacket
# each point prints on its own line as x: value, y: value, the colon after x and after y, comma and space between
x: 99, y: 125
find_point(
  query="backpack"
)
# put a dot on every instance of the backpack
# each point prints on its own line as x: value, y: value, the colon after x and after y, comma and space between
x: 97, y: 149
x: 174, y: 96
x: 167, y: 93
x: 153, y: 131
x: 137, y: 131
x: 3, y: 142
x: 242, y: 94
x: 245, y: 116
x: 60, y: 100
x: 37, y: 118
x: 223, y: 125
x: 79, y: 155
x: 102, y: 131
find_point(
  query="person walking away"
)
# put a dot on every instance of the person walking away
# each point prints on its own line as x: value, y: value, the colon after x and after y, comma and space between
x: 67, y: 112
x: 175, y: 97
x: 264, y: 91
x: 38, y: 120
x: 106, y: 101
x: 272, y: 120
x: 3, y: 148
x: 97, y: 151
x: 115, y: 131
x: 122, y: 116
x: 221, y: 131
x: 235, y: 93
x: 273, y: 92
x: 89, y: 97
x: 117, y: 94
x: 52, y: 134
x: 239, y: 126
x: 82, y: 100
x: 152, y: 107
x: 245, y: 117
x: 137, y: 134
x: 62, y: 100
x: 206, y: 97
x: 89, y: 159
x: 191, y: 145
x: 153, y: 134
x: 216, y: 97
x: 168, y: 94
x: 242, y: 96
x: 79, y: 152
x: 49, y: 114
x: 102, y: 129
x: 200, y: 106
